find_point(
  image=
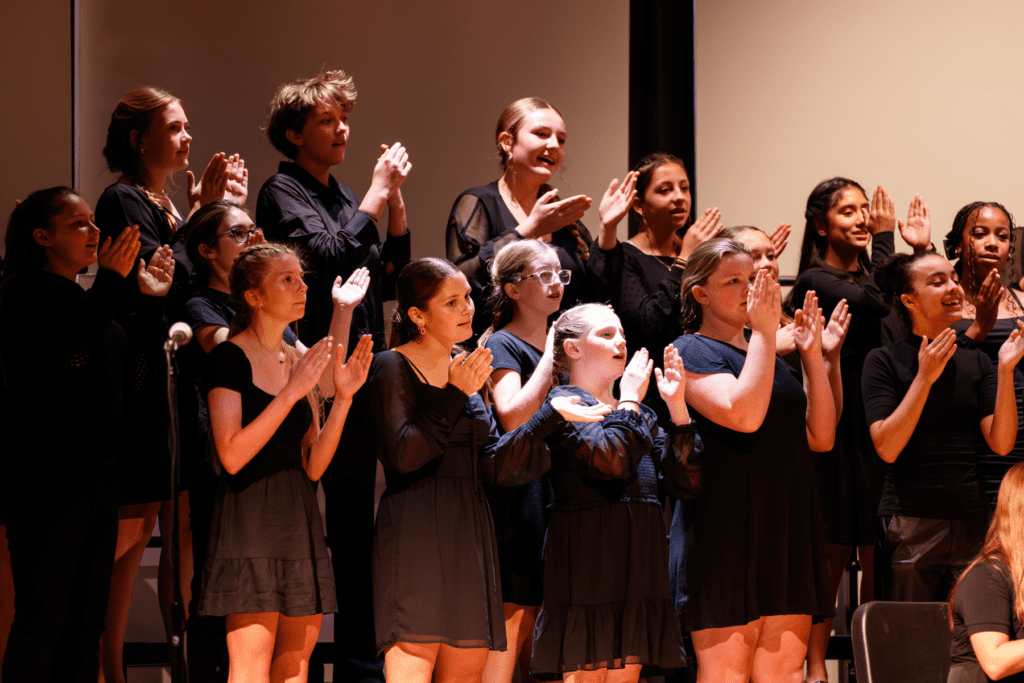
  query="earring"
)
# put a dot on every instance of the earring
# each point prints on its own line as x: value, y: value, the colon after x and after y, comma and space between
x: 422, y: 330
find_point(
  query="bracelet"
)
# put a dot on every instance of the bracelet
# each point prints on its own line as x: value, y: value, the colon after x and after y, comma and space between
x: 681, y: 262
x: 636, y: 403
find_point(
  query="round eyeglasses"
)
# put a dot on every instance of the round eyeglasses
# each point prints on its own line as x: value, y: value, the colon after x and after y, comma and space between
x: 240, y: 235
x: 547, y: 277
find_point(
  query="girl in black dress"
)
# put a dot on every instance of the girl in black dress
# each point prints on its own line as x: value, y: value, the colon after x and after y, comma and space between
x: 748, y: 553
x: 268, y: 570
x: 834, y: 264
x: 527, y: 284
x: 987, y: 602
x: 62, y: 541
x: 521, y: 204
x: 607, y: 608
x: 436, y: 590
x: 148, y: 141
x: 981, y: 243
x: 925, y: 400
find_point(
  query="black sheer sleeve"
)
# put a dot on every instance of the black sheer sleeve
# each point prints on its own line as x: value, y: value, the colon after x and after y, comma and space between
x: 678, y: 457
x: 605, y: 266
x: 522, y: 455
x: 609, y: 449
x: 410, y: 432
x: 474, y: 237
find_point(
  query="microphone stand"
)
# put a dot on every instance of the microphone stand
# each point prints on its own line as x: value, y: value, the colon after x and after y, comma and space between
x: 177, y: 642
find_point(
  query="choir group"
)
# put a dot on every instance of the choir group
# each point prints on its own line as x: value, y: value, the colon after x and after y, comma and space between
x: 590, y: 446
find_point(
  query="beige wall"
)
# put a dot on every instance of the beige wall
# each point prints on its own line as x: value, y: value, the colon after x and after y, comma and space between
x: 921, y: 96
x: 35, y: 79
x: 434, y: 75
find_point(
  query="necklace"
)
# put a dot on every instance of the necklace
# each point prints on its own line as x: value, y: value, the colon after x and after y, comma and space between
x: 648, y: 248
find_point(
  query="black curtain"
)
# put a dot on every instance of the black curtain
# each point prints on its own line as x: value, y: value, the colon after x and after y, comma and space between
x: 662, y: 95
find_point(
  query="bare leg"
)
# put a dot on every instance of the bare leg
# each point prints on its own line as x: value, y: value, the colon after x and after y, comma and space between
x: 164, y: 573
x: 460, y: 664
x: 6, y: 593
x: 726, y: 655
x: 410, y: 662
x: 133, y: 532
x: 781, y: 650
x: 519, y: 633
x: 838, y: 557
x: 595, y: 676
x: 251, y: 646
x: 296, y: 638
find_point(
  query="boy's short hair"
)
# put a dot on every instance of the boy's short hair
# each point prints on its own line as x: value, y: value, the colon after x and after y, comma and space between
x: 293, y: 101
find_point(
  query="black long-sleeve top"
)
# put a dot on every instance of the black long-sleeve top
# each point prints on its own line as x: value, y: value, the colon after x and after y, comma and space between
x: 625, y: 456
x: 63, y: 355
x: 336, y: 238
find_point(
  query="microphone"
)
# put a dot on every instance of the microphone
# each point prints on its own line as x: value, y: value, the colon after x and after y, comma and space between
x: 180, y: 334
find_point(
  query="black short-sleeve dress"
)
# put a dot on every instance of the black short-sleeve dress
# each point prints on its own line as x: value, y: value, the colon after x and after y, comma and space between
x: 520, y: 513
x: 267, y: 551
x: 751, y: 545
x: 607, y: 595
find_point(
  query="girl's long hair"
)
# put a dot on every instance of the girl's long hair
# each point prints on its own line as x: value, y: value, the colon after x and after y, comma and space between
x: 506, y: 268
x: 1004, y: 541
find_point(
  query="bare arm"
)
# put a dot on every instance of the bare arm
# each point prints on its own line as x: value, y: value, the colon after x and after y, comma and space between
x: 237, y: 445
x: 345, y: 298
x: 515, y: 402
x: 1000, y: 428
x: 821, y: 415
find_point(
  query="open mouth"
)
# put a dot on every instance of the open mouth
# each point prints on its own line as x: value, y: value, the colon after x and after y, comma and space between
x: 546, y: 160
x: 953, y: 302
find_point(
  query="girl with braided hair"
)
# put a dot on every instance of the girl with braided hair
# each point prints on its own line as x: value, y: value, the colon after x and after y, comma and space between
x: 267, y: 568
x: 981, y: 243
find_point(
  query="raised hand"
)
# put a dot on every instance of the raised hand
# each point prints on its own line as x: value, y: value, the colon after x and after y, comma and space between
x: 637, y: 376
x: 550, y: 214
x: 156, y: 278
x: 785, y: 344
x: 391, y: 170
x: 468, y: 373
x: 350, y: 293
x: 571, y: 410
x: 1012, y: 350
x: 780, y: 237
x: 834, y: 334
x: 918, y: 230
x: 882, y: 217
x: 617, y: 200
x: 348, y: 377
x: 256, y: 238
x: 933, y: 356
x: 704, y: 228
x: 672, y: 382
x: 119, y: 254
x: 986, y: 301
x: 807, y: 326
x: 213, y: 185
x: 764, y: 304
x: 306, y: 372
x: 236, y: 190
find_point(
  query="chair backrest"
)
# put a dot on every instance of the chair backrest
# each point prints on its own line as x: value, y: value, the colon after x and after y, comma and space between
x: 906, y: 642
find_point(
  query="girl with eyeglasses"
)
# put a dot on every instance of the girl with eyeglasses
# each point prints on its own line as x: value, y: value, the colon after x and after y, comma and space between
x: 522, y: 204
x: 527, y: 285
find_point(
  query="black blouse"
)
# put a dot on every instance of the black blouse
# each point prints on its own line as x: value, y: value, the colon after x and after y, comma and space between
x: 480, y: 224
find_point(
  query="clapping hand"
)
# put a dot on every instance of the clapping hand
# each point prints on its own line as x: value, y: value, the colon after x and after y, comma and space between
x: 780, y: 237
x: 348, y: 377
x: 764, y: 304
x: 550, y: 213
x: 834, y: 334
x: 882, y: 217
x: 933, y: 356
x: 704, y: 228
x: 917, y: 231
x: 236, y: 189
x: 156, y: 278
x: 1012, y: 350
x: 468, y: 373
x: 808, y: 323
x: 672, y: 381
x: 119, y: 254
x: 636, y: 378
x: 349, y: 294
x: 617, y: 200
